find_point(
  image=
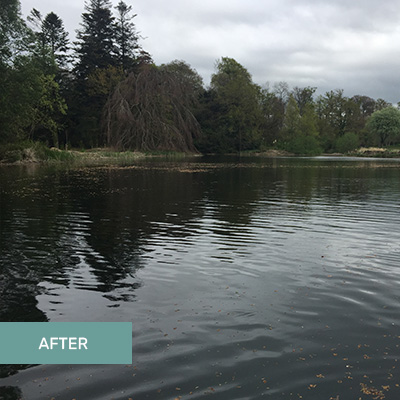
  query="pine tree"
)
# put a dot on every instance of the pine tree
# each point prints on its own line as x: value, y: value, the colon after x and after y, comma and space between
x: 126, y: 36
x: 96, y: 39
x: 51, y: 40
x: 56, y: 37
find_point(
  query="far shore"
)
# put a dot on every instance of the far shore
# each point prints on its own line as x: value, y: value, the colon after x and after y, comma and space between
x: 104, y: 156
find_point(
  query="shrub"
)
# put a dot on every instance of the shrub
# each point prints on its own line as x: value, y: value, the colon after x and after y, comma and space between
x: 12, y: 152
x: 303, y: 145
x: 348, y: 142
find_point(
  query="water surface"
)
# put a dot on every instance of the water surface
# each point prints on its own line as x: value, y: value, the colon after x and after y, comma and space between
x: 244, y: 278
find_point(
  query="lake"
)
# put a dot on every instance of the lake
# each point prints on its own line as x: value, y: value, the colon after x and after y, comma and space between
x: 243, y: 278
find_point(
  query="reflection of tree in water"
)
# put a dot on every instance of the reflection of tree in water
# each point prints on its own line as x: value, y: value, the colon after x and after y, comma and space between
x: 54, y: 223
x: 57, y: 224
x: 234, y: 192
x: 18, y: 276
x: 134, y: 206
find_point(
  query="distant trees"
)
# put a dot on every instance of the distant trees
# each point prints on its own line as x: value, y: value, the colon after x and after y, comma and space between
x: 385, y: 124
x: 348, y: 142
x: 29, y: 96
x: 233, y: 107
x: 106, y: 90
x: 107, y: 49
x: 304, y: 97
x: 339, y: 115
x: 299, y: 132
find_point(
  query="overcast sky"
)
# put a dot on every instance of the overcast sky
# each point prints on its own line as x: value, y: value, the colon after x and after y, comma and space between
x: 338, y: 44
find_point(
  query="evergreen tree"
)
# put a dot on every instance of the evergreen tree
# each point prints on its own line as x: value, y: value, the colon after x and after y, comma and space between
x: 96, y: 39
x: 51, y: 40
x: 125, y: 36
x: 95, y: 59
x: 56, y: 38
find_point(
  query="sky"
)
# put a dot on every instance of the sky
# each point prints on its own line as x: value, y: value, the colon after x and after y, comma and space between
x: 352, y: 45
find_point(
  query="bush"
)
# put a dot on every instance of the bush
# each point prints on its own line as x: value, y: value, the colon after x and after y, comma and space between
x: 303, y: 145
x: 348, y: 142
x: 12, y: 152
x: 32, y: 151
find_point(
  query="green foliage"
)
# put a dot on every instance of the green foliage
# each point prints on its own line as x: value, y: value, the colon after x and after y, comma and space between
x: 385, y: 124
x: 299, y: 132
x: 309, y: 121
x: 51, y: 38
x: 43, y: 153
x: 126, y: 38
x: 186, y: 75
x: 20, y: 91
x: 348, y: 142
x: 13, y: 151
x: 159, y: 107
x: 15, y: 37
x: 56, y: 37
x: 331, y: 110
x: 96, y: 44
x: 29, y: 95
x: 303, y: 145
x: 106, y: 50
x: 33, y: 152
x: 102, y: 81
x: 381, y: 104
x: 338, y: 114
x: 273, y: 113
x: 303, y: 97
x: 233, y: 105
x: 48, y: 110
x: 291, y: 122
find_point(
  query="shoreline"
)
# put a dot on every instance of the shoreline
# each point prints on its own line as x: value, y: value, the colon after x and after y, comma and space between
x: 104, y: 156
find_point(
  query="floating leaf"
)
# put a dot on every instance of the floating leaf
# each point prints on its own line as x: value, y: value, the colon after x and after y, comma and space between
x: 311, y: 386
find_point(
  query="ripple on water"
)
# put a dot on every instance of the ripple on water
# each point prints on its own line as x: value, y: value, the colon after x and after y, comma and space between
x: 281, y: 281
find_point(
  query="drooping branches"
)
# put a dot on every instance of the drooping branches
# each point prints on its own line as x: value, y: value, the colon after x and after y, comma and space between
x: 152, y: 110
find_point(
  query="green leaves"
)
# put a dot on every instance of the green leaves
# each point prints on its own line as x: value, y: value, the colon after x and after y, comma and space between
x: 386, y: 125
x: 234, y: 105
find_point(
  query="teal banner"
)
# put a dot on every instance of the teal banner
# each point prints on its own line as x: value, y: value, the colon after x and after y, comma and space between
x: 65, y: 342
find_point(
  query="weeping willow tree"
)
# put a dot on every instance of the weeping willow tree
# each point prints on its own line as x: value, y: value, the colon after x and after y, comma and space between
x: 152, y: 109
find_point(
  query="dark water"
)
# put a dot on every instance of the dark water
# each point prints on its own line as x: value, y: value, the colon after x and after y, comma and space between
x: 244, y: 279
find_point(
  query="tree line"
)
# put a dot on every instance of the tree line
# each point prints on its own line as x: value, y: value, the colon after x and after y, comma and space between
x: 104, y: 89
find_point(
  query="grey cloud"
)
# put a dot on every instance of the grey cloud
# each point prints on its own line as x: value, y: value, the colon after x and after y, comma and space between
x: 337, y: 44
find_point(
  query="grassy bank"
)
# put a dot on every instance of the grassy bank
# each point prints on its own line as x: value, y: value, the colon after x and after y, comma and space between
x: 389, y: 152
x: 33, y: 152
